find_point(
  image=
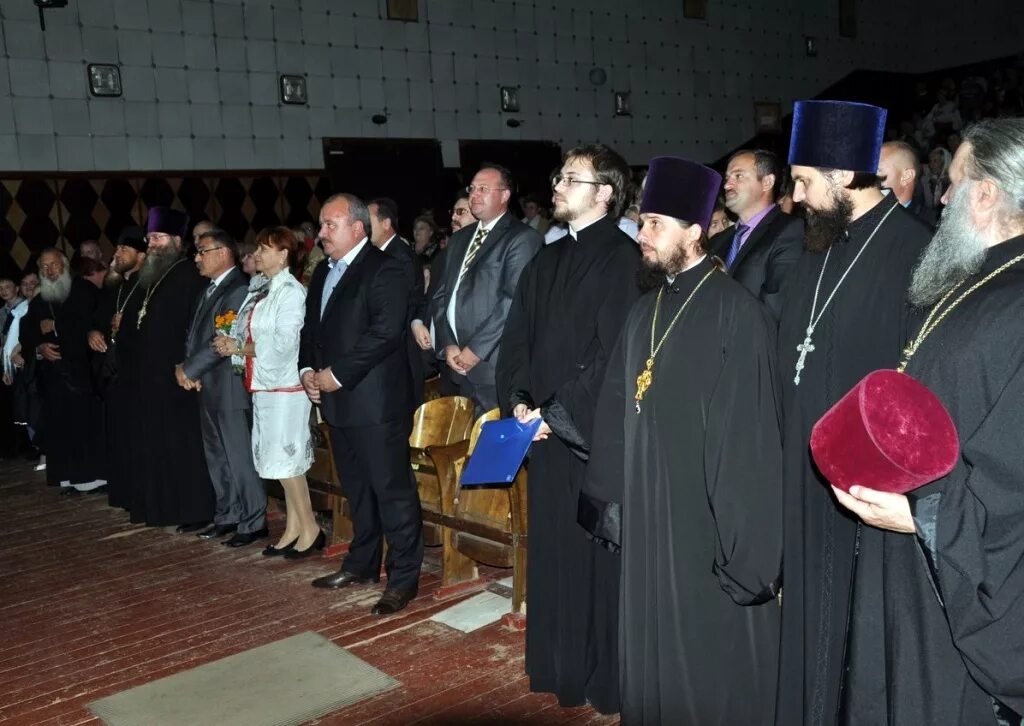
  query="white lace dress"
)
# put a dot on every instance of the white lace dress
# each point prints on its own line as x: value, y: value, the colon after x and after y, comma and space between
x: 281, y: 442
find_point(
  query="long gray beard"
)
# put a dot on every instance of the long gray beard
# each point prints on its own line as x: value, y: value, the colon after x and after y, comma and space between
x: 955, y: 253
x: 56, y: 291
x: 157, y: 262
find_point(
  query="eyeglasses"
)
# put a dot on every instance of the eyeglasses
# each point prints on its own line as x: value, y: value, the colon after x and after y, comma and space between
x: 459, y: 211
x: 472, y: 188
x: 200, y: 253
x: 150, y: 238
x: 558, y: 179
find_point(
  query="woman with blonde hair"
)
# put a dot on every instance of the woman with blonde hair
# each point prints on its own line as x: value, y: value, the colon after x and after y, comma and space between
x: 265, y: 342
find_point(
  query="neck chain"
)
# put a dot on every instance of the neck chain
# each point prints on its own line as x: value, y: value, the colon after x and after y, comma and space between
x: 646, y: 377
x: 115, y: 322
x: 807, y: 346
x: 933, y: 319
x: 150, y: 291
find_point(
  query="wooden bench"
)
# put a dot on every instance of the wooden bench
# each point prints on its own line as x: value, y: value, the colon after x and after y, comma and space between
x: 487, y: 525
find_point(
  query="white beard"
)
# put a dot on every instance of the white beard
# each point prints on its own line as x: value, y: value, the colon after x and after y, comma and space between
x: 956, y: 252
x: 56, y: 291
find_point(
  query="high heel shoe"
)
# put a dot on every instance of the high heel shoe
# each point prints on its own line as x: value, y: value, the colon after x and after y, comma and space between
x: 272, y: 551
x: 318, y: 544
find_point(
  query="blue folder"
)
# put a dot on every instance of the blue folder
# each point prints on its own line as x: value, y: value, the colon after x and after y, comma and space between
x: 500, y: 450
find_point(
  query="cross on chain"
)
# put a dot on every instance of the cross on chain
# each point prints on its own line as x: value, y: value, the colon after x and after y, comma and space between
x: 804, y: 348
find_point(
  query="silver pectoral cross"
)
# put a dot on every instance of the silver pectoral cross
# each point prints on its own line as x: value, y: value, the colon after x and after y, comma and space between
x: 804, y: 348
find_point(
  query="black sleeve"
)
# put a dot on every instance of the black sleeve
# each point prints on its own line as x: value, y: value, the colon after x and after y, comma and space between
x: 512, y: 373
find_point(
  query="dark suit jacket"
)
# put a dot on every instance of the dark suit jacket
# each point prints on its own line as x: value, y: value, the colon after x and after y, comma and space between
x: 768, y: 256
x: 222, y: 389
x: 402, y: 251
x: 361, y: 338
x: 486, y: 292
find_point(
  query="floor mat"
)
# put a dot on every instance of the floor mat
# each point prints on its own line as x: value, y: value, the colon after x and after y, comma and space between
x: 282, y: 683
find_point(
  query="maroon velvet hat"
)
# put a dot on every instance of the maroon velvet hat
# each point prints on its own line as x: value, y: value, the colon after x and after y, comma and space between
x: 888, y: 433
x: 682, y: 189
x: 167, y: 221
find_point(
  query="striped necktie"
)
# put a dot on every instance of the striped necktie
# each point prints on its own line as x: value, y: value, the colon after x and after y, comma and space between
x: 736, y: 246
x: 474, y: 247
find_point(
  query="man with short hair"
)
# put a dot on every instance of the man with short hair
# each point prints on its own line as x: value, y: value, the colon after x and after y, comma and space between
x: 115, y: 364
x: 763, y: 247
x: 954, y: 575
x: 685, y: 475
x: 900, y: 171
x: 91, y: 249
x: 225, y: 408
x: 844, y: 315
x: 55, y: 330
x: 385, y: 237
x: 171, y: 482
x: 475, y: 288
x: 353, y: 364
x: 569, y: 307
x: 461, y: 214
x: 532, y: 216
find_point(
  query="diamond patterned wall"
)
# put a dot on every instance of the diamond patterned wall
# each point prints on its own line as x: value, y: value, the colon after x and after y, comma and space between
x: 39, y: 212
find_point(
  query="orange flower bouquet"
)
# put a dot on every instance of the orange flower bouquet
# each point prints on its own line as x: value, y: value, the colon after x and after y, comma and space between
x: 224, y: 325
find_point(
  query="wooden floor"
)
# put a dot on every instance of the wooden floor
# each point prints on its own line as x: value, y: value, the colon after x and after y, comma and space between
x: 91, y: 605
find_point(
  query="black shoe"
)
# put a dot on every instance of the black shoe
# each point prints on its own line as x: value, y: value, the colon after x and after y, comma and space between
x: 241, y: 539
x: 216, y: 531
x: 318, y: 544
x: 340, y: 579
x: 272, y: 551
x: 190, y: 527
x: 392, y: 601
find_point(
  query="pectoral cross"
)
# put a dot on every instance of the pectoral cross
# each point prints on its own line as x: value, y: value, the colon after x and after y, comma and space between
x: 804, y: 348
x: 115, y: 325
x: 643, y: 382
x: 142, y: 314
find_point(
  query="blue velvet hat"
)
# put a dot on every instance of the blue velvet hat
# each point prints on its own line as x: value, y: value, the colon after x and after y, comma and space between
x: 682, y: 189
x: 837, y: 135
x: 167, y: 221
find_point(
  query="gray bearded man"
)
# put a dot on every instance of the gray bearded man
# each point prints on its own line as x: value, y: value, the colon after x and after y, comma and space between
x: 55, y: 329
x: 171, y: 482
x: 954, y: 575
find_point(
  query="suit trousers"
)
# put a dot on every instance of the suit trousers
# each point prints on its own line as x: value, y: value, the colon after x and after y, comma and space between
x: 373, y: 465
x: 227, y: 443
x: 484, y: 396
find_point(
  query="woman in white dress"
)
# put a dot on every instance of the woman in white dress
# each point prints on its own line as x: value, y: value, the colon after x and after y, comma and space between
x: 266, y: 342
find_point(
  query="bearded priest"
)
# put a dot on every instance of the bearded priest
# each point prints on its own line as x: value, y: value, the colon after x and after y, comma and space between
x: 685, y: 475
x: 844, y: 315
x: 172, y: 484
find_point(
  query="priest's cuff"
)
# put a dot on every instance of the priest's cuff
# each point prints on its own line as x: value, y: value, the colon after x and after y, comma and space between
x: 602, y: 520
x: 520, y: 397
x: 558, y: 418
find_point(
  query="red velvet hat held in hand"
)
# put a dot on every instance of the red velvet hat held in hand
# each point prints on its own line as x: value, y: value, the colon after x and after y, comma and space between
x: 888, y: 433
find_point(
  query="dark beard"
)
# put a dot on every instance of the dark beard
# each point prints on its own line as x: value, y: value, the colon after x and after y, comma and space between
x: 955, y: 253
x: 113, y: 279
x: 56, y: 291
x: 825, y: 226
x: 652, y: 274
x: 157, y: 263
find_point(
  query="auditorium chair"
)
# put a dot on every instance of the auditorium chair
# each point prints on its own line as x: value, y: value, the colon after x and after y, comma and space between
x: 437, y: 424
x: 488, y: 525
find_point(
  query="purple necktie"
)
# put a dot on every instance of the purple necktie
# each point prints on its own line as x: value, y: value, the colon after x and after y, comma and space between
x: 737, y: 244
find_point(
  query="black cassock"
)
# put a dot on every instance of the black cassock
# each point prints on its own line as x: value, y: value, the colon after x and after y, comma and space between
x: 170, y: 482
x: 955, y: 608
x: 571, y: 302
x: 690, y: 490
x: 117, y: 377
x: 829, y: 624
x: 71, y: 419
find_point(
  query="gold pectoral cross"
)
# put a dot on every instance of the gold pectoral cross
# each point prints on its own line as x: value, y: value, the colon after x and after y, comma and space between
x: 643, y: 382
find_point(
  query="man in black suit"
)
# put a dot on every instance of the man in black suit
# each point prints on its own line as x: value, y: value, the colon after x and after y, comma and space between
x: 474, y: 291
x: 225, y: 408
x: 764, y: 245
x: 353, y: 364
x: 384, y: 222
